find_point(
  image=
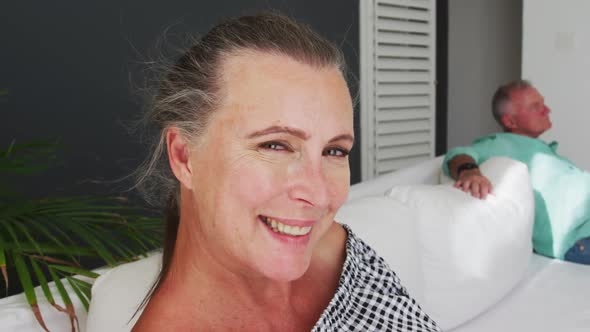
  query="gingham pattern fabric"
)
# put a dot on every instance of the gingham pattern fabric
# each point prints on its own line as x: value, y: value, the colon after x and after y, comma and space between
x: 370, y: 297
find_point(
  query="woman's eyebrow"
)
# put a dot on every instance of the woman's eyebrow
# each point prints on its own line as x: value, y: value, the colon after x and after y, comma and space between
x: 345, y: 137
x: 295, y: 132
x: 279, y: 129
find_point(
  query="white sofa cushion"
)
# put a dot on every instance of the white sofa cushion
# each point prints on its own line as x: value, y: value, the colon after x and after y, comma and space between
x: 16, y: 314
x: 389, y: 228
x: 426, y: 172
x: 117, y: 294
x: 471, y: 251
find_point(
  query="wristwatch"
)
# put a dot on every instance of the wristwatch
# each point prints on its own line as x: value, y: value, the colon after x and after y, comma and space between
x: 464, y: 167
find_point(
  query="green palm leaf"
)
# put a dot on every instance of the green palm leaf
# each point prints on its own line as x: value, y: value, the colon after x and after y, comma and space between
x: 3, y: 262
x: 69, y: 309
x: 25, y: 279
x: 47, y: 237
x: 83, y: 298
x: 3, y: 266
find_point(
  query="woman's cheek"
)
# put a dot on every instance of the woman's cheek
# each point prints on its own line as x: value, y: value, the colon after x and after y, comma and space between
x: 257, y: 181
x: 339, y: 183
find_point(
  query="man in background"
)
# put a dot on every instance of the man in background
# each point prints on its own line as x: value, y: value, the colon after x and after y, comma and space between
x: 561, y: 190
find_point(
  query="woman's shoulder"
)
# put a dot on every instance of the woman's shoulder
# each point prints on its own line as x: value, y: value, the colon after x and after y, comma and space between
x: 366, y: 268
x: 370, y: 296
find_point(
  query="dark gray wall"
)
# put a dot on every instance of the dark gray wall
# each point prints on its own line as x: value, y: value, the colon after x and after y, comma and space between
x: 67, y: 67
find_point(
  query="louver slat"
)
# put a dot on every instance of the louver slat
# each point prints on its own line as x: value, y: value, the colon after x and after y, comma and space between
x: 399, y: 25
x: 418, y: 4
x: 403, y: 138
x: 390, y: 165
x: 403, y: 114
x: 404, y: 13
x: 400, y: 89
x: 404, y: 38
x: 418, y: 149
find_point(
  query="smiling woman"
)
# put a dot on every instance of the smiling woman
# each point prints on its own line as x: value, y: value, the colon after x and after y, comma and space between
x: 255, y: 125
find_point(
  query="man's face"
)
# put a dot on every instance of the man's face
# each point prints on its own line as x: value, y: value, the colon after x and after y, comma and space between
x: 527, y: 113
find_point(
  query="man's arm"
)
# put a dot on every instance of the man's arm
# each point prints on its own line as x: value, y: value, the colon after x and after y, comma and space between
x: 469, y: 179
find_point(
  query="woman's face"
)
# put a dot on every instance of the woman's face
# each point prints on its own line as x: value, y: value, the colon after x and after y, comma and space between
x: 272, y: 168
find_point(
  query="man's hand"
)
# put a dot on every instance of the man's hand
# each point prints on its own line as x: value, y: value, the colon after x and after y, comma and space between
x: 472, y: 181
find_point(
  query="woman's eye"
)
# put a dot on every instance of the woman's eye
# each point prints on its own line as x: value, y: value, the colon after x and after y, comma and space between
x: 277, y: 146
x: 336, y: 152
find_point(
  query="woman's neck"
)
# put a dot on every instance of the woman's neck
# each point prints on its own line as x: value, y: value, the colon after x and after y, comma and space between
x: 199, y: 282
x: 197, y: 270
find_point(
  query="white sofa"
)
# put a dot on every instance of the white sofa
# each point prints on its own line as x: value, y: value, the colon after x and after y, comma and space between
x: 468, y: 262
x: 548, y: 295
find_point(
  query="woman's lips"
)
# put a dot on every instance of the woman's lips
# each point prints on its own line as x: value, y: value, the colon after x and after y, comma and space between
x: 280, y: 227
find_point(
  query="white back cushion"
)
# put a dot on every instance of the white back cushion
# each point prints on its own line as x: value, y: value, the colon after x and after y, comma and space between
x: 117, y: 294
x: 471, y: 251
x: 426, y: 172
x: 388, y: 227
x: 16, y: 314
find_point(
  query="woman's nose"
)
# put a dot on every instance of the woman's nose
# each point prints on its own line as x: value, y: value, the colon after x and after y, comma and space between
x: 310, y: 185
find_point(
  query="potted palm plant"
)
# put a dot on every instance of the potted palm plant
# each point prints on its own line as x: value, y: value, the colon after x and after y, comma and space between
x: 44, y: 239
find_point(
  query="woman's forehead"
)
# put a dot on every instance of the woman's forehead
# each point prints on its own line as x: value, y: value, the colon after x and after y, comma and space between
x: 271, y: 88
x: 268, y: 67
x: 255, y: 77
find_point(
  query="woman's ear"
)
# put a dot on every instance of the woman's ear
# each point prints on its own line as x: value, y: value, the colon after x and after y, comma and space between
x: 179, y: 156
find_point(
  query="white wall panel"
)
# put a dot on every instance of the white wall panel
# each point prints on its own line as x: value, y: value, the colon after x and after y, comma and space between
x: 556, y: 58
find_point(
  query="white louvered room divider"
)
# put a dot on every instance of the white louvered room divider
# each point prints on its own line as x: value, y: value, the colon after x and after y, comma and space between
x: 398, y: 50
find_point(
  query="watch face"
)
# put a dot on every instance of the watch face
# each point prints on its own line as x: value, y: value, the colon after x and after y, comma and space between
x: 466, y: 166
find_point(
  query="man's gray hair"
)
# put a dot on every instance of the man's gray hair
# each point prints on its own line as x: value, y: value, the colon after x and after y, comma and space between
x: 502, y: 97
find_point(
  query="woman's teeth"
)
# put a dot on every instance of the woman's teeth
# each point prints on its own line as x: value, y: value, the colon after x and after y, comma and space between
x: 285, y: 229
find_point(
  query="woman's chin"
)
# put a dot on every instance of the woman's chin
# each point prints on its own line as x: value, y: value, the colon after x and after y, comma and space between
x: 285, y: 270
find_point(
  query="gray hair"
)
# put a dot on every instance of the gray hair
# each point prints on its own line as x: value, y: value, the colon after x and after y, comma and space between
x: 503, y: 96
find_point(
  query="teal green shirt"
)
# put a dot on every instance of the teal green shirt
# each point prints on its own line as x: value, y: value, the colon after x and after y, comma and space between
x: 562, y: 191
